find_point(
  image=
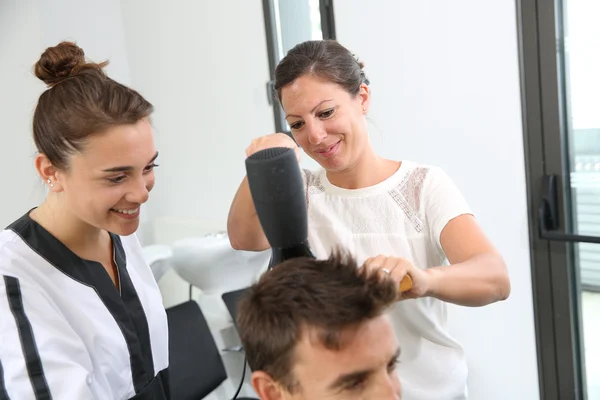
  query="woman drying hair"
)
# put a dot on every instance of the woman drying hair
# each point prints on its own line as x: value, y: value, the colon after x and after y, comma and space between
x: 400, y: 217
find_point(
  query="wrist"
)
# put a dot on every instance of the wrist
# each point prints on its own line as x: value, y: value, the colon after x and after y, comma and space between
x: 433, y: 281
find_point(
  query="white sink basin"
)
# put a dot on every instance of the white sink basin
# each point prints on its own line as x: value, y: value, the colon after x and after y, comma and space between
x: 159, y: 258
x: 212, y: 265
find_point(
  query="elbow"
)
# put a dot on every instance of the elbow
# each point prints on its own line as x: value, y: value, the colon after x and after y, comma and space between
x: 236, y: 240
x: 245, y: 245
x: 239, y: 239
x: 496, y: 285
x: 502, y: 286
x: 234, y: 244
x: 237, y: 244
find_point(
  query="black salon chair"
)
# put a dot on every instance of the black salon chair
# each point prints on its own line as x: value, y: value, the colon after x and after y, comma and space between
x: 195, y: 365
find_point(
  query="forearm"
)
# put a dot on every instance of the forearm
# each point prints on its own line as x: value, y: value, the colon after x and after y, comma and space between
x: 243, y: 227
x: 478, y: 281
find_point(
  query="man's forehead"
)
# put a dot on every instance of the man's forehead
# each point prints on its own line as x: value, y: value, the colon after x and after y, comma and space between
x: 317, y: 365
x: 363, y: 351
x: 345, y: 349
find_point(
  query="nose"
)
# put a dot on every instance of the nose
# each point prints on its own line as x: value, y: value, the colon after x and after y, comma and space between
x: 316, y: 133
x: 397, y: 387
x: 389, y: 388
x: 140, y: 191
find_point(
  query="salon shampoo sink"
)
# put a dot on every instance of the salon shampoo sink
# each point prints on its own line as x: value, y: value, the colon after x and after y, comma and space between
x: 213, y: 266
x: 158, y: 258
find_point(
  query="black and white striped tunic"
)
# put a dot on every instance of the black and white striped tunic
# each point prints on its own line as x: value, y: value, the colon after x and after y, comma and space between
x: 67, y: 332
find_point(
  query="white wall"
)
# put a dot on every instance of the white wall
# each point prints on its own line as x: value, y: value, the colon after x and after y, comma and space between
x: 205, y: 67
x: 27, y: 28
x: 445, y: 83
x: 20, y: 43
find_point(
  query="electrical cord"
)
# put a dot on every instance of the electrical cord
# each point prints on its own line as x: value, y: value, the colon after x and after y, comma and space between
x: 241, y: 381
x: 245, y: 359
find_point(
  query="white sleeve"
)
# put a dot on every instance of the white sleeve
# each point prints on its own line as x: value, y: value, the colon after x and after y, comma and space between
x: 41, y: 357
x: 442, y: 201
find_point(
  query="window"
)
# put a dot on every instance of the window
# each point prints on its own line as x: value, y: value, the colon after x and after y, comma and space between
x: 560, y: 70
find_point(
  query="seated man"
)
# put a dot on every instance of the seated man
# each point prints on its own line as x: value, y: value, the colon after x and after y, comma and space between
x: 316, y: 329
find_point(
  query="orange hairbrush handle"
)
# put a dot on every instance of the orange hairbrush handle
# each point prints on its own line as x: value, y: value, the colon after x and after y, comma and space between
x: 405, y: 284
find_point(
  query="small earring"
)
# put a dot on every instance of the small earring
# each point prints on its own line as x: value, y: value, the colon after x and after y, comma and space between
x: 364, y: 109
x: 50, y: 183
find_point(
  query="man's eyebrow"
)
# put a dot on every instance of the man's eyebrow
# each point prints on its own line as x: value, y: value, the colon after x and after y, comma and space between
x: 128, y: 167
x: 352, y: 377
x: 349, y: 378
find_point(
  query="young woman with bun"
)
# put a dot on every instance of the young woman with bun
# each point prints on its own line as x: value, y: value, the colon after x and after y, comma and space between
x: 81, y: 316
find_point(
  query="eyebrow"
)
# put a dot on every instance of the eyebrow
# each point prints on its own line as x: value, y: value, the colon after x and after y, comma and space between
x: 127, y: 168
x: 312, y: 111
x: 351, y: 377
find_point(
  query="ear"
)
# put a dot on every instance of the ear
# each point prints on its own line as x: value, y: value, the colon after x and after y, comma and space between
x: 48, y: 172
x: 265, y: 387
x: 364, y: 95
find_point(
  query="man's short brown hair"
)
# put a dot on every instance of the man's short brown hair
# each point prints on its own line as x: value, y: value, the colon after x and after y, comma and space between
x: 304, y: 293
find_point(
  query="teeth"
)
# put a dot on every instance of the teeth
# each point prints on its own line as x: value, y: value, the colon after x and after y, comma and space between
x: 128, y: 212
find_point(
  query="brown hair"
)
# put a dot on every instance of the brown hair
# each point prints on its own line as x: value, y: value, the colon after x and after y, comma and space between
x: 325, y: 59
x: 81, y: 101
x: 304, y: 293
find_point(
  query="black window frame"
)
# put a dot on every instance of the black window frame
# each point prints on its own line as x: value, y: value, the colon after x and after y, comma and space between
x: 555, y: 282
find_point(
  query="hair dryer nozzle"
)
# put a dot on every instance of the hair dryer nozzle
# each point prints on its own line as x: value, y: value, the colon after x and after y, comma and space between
x: 279, y: 197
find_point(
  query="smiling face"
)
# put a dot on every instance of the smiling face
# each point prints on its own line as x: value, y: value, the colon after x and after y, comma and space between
x: 106, y: 184
x: 326, y: 121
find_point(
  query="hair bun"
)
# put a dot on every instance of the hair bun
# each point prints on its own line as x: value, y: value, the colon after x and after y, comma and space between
x: 59, y: 62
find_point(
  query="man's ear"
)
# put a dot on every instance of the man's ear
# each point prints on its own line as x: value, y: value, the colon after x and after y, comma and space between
x: 266, y: 388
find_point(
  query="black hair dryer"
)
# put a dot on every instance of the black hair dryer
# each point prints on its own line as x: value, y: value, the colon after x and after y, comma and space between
x: 279, y: 197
